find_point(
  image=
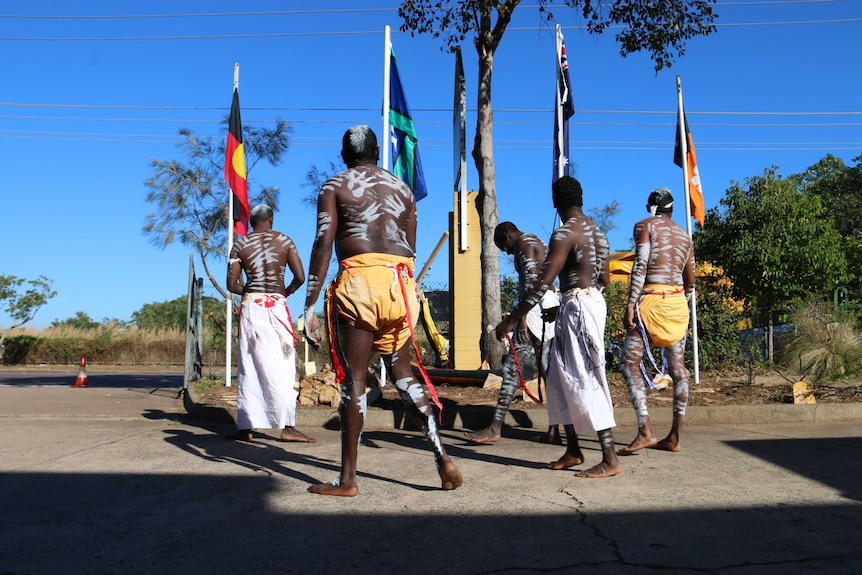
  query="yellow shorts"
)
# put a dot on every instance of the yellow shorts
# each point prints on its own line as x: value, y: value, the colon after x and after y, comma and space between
x: 663, y: 312
x: 368, y: 295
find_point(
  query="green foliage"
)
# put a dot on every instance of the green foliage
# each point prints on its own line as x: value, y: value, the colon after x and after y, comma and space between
x: 616, y: 296
x: 191, y: 198
x: 774, y: 242
x: 22, y: 306
x: 840, y: 189
x: 718, y: 324
x: 112, y: 344
x: 172, y: 314
x: 826, y: 345
x: 659, y: 27
x: 604, y: 216
x: 508, y: 293
x: 206, y: 383
x: 81, y: 320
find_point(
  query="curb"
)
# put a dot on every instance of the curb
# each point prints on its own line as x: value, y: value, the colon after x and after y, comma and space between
x: 479, y: 417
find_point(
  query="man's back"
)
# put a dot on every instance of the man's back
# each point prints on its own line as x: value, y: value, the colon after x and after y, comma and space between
x: 263, y: 256
x: 670, y: 249
x: 529, y: 252
x: 589, y: 250
x: 375, y: 212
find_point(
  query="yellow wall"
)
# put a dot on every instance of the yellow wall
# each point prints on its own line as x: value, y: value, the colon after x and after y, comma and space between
x: 465, y: 288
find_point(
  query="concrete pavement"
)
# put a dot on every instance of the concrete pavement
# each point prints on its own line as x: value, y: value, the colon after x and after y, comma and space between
x: 120, y: 479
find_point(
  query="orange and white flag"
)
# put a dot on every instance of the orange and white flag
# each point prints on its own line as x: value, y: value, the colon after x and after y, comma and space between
x: 694, y: 188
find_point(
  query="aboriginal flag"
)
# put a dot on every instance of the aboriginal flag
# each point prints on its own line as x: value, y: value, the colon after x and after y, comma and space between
x: 694, y: 188
x: 234, y: 169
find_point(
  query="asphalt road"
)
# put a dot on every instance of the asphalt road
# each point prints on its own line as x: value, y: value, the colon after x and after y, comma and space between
x: 119, y: 479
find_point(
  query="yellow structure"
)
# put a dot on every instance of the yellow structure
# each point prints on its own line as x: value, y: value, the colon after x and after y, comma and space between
x: 465, y: 288
x: 620, y: 264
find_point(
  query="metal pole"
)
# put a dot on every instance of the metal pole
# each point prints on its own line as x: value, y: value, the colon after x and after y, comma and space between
x: 228, y: 315
x: 384, y: 137
x: 683, y: 142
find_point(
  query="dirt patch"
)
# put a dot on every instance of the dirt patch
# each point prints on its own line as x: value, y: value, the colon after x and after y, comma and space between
x: 712, y: 391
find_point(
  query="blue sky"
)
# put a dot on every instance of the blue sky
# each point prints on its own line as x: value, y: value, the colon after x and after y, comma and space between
x: 88, y: 100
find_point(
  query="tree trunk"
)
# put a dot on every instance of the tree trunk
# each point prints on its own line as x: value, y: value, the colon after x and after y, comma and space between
x: 483, y: 157
x: 209, y: 275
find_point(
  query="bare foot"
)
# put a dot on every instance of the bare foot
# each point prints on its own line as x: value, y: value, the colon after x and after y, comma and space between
x: 566, y: 461
x: 335, y: 488
x: 292, y: 434
x: 640, y: 442
x: 240, y: 435
x: 450, y: 476
x: 486, y: 435
x: 668, y: 444
x: 598, y: 471
x: 550, y: 438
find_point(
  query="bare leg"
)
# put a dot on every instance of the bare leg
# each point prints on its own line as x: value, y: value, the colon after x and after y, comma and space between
x: 420, y: 408
x: 292, y: 434
x: 633, y: 352
x: 676, y: 368
x: 610, y: 465
x: 573, y: 455
x: 240, y: 435
x: 552, y: 436
x: 491, y: 434
x: 357, y: 349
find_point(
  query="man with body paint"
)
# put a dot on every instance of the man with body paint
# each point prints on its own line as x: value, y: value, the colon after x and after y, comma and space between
x: 266, y: 370
x: 578, y: 394
x: 531, y: 344
x: 372, y: 305
x: 662, y: 283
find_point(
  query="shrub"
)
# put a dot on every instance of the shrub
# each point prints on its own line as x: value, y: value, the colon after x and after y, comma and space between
x: 825, y: 345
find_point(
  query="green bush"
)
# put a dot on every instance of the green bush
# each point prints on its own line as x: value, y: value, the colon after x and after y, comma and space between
x: 825, y: 345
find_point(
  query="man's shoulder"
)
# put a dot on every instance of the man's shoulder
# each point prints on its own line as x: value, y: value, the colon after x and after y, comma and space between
x: 281, y: 236
x: 365, y: 175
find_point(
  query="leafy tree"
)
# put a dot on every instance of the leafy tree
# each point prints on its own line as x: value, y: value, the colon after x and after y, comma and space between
x: 508, y: 292
x: 315, y: 178
x: 840, y: 188
x: 717, y: 323
x: 22, y: 306
x: 191, y: 198
x: 775, y: 243
x: 604, y: 216
x: 661, y: 27
x: 172, y: 314
x: 81, y: 320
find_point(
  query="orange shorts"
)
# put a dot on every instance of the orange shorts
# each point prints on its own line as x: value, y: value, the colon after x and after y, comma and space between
x: 663, y: 310
x: 368, y: 295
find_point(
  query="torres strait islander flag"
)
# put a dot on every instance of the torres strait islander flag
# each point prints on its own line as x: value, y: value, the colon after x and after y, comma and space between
x: 234, y: 169
x: 405, y: 150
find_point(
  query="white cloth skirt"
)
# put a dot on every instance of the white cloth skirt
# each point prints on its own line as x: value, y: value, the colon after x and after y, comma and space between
x: 266, y: 398
x: 577, y: 386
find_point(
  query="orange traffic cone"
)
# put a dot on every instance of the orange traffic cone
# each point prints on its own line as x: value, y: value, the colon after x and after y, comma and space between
x: 81, y: 381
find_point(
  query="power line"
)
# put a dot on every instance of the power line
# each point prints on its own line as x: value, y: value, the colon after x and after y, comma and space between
x: 320, y: 11
x: 435, y: 110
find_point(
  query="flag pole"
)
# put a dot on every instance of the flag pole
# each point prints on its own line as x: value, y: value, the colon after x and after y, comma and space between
x: 384, y: 137
x: 229, y: 301
x: 683, y: 142
x: 460, y: 121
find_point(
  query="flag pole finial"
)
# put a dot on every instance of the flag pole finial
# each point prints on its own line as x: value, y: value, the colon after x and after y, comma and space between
x: 236, y: 76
